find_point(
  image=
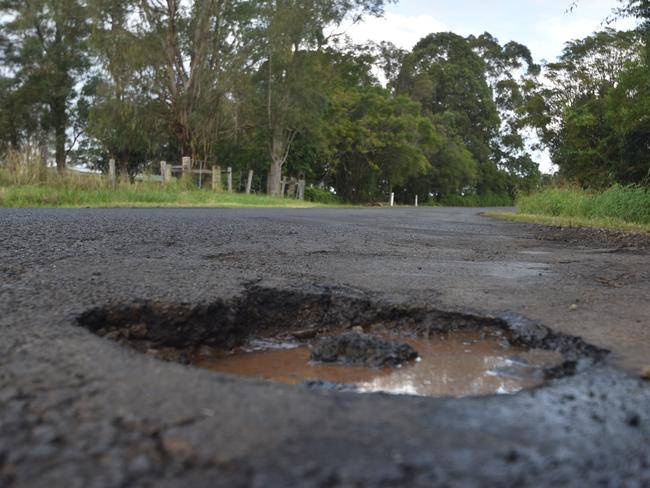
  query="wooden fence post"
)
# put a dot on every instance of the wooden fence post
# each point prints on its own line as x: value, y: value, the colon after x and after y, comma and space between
x: 163, y: 172
x: 283, y: 185
x: 216, y: 178
x: 112, y: 174
x: 291, y: 189
x: 229, y: 170
x: 301, y: 186
x: 187, y: 166
x: 249, y: 182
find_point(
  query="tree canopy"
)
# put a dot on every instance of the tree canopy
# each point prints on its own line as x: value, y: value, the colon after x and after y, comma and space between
x: 271, y: 85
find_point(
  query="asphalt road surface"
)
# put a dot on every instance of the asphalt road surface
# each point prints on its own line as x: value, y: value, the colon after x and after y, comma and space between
x: 79, y: 410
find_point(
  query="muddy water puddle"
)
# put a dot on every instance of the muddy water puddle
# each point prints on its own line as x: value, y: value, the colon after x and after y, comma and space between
x: 460, y: 363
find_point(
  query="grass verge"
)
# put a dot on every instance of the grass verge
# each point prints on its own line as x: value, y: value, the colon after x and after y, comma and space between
x: 610, y: 224
x: 618, y: 208
x: 137, y: 195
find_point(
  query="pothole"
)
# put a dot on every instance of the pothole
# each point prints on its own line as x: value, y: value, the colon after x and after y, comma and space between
x: 455, y: 363
x: 324, y: 338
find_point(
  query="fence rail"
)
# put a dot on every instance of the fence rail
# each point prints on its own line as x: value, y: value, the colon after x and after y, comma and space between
x: 294, y: 187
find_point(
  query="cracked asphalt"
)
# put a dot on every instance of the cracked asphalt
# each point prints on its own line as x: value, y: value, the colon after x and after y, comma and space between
x: 78, y: 410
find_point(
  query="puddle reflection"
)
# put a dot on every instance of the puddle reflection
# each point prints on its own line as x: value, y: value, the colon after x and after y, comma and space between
x: 455, y: 364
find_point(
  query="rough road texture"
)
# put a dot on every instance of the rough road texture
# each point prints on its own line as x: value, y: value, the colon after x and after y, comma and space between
x: 79, y: 410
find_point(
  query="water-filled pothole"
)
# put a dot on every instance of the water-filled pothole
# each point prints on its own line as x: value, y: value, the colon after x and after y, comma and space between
x: 457, y: 363
x: 274, y: 334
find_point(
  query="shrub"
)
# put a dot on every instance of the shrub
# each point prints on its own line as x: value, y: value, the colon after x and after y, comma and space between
x: 320, y: 195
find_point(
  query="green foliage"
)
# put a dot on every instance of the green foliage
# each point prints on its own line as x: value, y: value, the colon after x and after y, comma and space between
x: 261, y: 86
x: 628, y: 114
x: 624, y: 203
x: 448, y: 78
x: 376, y: 142
x: 468, y: 89
x: 321, y: 195
x: 640, y: 9
x: 594, y: 114
x: 288, y: 86
x: 47, y: 51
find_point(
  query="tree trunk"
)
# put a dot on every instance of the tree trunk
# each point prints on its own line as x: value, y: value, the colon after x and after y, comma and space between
x: 278, y: 157
x: 60, y: 148
x: 43, y: 148
x: 60, y: 125
x: 274, y: 178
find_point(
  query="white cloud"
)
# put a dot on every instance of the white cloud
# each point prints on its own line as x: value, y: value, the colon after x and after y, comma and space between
x: 551, y: 34
x: 402, y: 30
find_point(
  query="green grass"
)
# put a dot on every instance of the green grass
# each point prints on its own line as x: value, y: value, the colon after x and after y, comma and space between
x: 612, y: 224
x: 136, y: 195
x: 620, y: 208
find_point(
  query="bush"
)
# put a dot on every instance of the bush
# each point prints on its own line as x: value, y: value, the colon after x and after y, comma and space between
x: 320, y: 195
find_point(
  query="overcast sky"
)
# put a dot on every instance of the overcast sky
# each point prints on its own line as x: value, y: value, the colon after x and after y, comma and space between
x: 543, y: 25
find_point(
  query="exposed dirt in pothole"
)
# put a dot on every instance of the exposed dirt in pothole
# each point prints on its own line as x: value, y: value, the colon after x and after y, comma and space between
x: 486, y: 354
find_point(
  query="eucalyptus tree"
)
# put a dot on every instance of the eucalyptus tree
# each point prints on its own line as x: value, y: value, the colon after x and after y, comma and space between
x: 513, y: 77
x: 21, y: 121
x: 446, y: 75
x: 377, y: 142
x: 630, y: 106
x: 449, y: 79
x: 390, y: 58
x: 188, y: 49
x: 288, y: 93
x: 574, y: 109
x: 640, y: 9
x: 120, y: 122
x: 595, y: 116
x: 46, y: 50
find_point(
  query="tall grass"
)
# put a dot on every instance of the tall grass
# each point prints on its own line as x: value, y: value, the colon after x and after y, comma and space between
x: 629, y: 204
x: 23, y: 167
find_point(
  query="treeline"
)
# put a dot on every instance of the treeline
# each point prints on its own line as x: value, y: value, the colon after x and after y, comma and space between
x: 593, y: 113
x: 271, y: 85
